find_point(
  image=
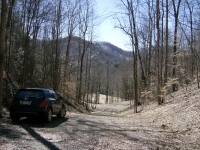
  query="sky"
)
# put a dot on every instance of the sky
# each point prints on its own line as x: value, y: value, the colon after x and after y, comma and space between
x: 106, y: 31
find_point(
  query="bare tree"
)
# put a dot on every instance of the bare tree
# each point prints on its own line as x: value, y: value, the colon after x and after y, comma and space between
x: 158, y: 51
x: 2, y: 36
x: 86, y: 36
x: 176, y: 8
x: 130, y: 29
x: 56, y: 35
x: 71, y: 17
x: 191, y: 40
x: 107, y: 81
x: 166, y: 42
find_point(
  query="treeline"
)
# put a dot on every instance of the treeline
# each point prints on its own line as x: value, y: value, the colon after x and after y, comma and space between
x: 32, y: 44
x: 164, y: 37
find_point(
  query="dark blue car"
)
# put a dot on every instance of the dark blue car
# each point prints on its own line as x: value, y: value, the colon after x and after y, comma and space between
x: 36, y: 102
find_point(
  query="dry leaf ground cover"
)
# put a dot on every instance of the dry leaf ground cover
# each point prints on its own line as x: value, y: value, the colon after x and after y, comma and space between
x: 173, y: 125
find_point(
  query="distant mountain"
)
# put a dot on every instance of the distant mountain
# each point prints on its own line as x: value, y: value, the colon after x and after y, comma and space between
x: 102, y: 51
x: 109, y: 52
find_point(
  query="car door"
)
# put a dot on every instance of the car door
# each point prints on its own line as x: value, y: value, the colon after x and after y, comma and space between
x: 58, y: 101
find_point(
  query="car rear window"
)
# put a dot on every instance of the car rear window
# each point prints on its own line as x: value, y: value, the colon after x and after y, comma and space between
x: 29, y: 94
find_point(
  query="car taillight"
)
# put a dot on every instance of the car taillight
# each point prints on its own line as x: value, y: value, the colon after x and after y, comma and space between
x: 11, y: 102
x: 43, y: 104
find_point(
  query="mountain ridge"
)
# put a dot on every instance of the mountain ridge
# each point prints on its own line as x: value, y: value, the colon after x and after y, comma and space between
x: 102, y: 50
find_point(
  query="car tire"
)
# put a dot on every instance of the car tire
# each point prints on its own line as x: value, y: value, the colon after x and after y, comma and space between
x: 48, y: 116
x: 15, y: 118
x: 62, y: 112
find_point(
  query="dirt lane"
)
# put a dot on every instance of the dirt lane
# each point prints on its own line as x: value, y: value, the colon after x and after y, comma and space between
x: 79, y: 131
x: 101, y: 130
x: 98, y: 130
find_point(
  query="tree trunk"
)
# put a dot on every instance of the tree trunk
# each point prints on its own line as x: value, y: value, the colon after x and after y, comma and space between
x: 2, y: 36
x: 107, y: 82
x: 158, y: 51
x: 176, y: 16
x: 166, y: 50
x: 150, y: 44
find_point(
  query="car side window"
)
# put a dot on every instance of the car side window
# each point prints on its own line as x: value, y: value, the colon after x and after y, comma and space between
x: 52, y: 94
x: 56, y: 96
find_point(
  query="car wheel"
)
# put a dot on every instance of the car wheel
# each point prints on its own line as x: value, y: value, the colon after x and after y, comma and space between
x: 62, y: 112
x: 48, y: 116
x: 14, y: 118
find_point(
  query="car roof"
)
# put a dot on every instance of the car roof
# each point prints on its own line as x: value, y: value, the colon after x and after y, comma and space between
x: 43, y: 89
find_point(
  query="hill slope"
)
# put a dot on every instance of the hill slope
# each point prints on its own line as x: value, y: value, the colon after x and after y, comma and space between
x: 173, y: 125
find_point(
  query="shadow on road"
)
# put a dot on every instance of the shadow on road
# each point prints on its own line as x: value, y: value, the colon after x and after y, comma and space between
x: 39, y: 138
x: 39, y: 123
x: 29, y: 124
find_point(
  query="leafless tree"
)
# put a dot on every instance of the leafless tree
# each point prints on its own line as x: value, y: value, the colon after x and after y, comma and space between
x: 56, y: 48
x: 158, y: 51
x: 130, y: 29
x: 71, y: 17
x: 2, y: 36
x: 86, y: 37
x: 166, y: 42
x: 176, y: 10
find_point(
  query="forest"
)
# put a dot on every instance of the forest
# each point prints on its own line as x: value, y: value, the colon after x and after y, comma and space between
x: 51, y: 43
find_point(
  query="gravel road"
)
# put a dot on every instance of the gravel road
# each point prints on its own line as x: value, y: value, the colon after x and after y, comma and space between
x: 75, y: 132
x: 100, y: 130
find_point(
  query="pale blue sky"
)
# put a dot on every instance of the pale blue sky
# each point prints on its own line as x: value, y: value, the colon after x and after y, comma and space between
x: 106, y: 31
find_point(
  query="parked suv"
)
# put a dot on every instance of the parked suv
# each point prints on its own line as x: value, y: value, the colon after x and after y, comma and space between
x: 33, y: 102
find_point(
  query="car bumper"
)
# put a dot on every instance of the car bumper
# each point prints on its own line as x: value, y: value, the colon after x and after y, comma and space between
x: 27, y: 114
